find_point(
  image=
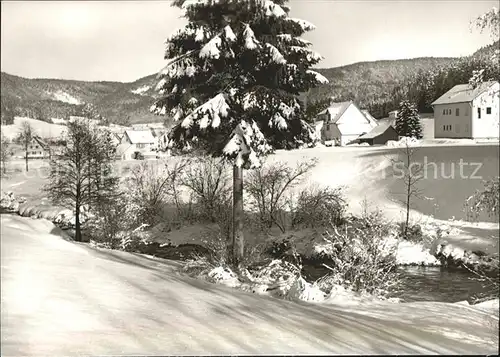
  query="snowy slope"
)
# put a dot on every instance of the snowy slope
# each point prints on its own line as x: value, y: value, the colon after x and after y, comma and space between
x: 41, y: 128
x: 62, y: 298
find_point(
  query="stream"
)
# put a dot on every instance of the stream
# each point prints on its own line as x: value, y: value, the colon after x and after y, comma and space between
x: 426, y: 283
x: 421, y: 283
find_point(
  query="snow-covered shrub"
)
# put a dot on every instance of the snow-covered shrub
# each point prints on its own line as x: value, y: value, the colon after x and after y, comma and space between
x: 112, y: 224
x: 10, y: 202
x: 224, y: 276
x: 360, y: 259
x: 414, y: 233
x: 268, y: 188
x: 487, y: 200
x: 319, y: 207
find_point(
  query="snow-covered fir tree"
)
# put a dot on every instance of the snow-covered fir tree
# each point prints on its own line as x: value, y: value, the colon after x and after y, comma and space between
x: 233, y: 79
x: 232, y: 83
x: 408, y: 121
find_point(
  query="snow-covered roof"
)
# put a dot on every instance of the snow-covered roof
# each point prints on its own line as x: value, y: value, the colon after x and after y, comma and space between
x: 140, y: 136
x: 463, y: 93
x: 370, y: 118
x: 335, y: 110
x: 40, y: 142
x: 378, y: 130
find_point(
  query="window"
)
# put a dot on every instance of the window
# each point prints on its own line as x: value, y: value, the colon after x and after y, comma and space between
x: 444, y: 111
x: 457, y: 112
x: 327, y: 127
x: 479, y: 113
x: 140, y: 146
x: 488, y: 110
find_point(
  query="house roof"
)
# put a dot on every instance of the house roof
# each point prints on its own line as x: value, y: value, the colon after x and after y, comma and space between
x: 463, y: 93
x: 370, y: 117
x: 378, y: 130
x: 140, y: 136
x: 335, y: 110
x: 40, y: 141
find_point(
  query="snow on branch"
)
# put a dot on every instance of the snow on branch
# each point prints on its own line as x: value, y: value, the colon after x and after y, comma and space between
x: 251, y: 42
x: 305, y: 25
x: 246, y: 145
x: 318, y: 76
x: 201, y: 34
x: 276, y: 54
x: 160, y: 84
x: 311, y: 56
x: 179, y: 67
x: 229, y: 34
x: 208, y: 113
x: 193, y: 3
x: 279, y: 119
x: 292, y: 40
x: 212, y: 48
x: 273, y: 9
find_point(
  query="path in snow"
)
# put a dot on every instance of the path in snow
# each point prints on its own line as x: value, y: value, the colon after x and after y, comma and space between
x: 63, y: 298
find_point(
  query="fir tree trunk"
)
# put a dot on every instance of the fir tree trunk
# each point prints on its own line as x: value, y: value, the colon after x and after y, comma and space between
x: 238, y: 239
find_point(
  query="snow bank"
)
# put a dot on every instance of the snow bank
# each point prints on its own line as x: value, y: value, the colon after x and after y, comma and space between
x: 224, y: 276
x: 411, y: 253
x: 9, y: 202
x: 403, y: 142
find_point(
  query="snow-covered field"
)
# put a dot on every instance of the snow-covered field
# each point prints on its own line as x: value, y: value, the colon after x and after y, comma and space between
x: 62, y: 298
x: 365, y: 173
x: 40, y: 128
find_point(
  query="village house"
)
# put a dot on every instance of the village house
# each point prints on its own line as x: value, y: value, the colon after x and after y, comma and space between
x: 38, y: 149
x: 135, y: 144
x: 343, y: 123
x: 466, y: 112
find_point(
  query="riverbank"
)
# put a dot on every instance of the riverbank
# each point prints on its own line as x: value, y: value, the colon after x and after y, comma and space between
x: 106, y: 301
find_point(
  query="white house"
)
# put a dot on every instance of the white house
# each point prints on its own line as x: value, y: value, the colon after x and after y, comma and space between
x: 464, y: 112
x: 134, y: 142
x: 343, y: 122
x: 38, y: 149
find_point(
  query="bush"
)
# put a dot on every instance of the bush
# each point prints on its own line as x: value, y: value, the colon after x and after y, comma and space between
x: 267, y: 188
x: 361, y: 260
x: 414, y: 232
x: 110, y: 224
x: 209, y: 184
x: 319, y: 207
x: 150, y: 187
x: 487, y: 200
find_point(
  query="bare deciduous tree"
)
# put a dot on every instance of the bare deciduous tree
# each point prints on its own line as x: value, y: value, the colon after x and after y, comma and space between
x: 267, y: 186
x: 410, y: 172
x: 25, y: 136
x: 81, y: 175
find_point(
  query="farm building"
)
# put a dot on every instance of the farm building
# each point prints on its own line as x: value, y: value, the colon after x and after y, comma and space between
x: 343, y: 123
x: 379, y: 135
x: 134, y: 143
x: 38, y: 149
x: 466, y: 112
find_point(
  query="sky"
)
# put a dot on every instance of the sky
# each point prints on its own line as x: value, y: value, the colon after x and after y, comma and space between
x: 124, y: 40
